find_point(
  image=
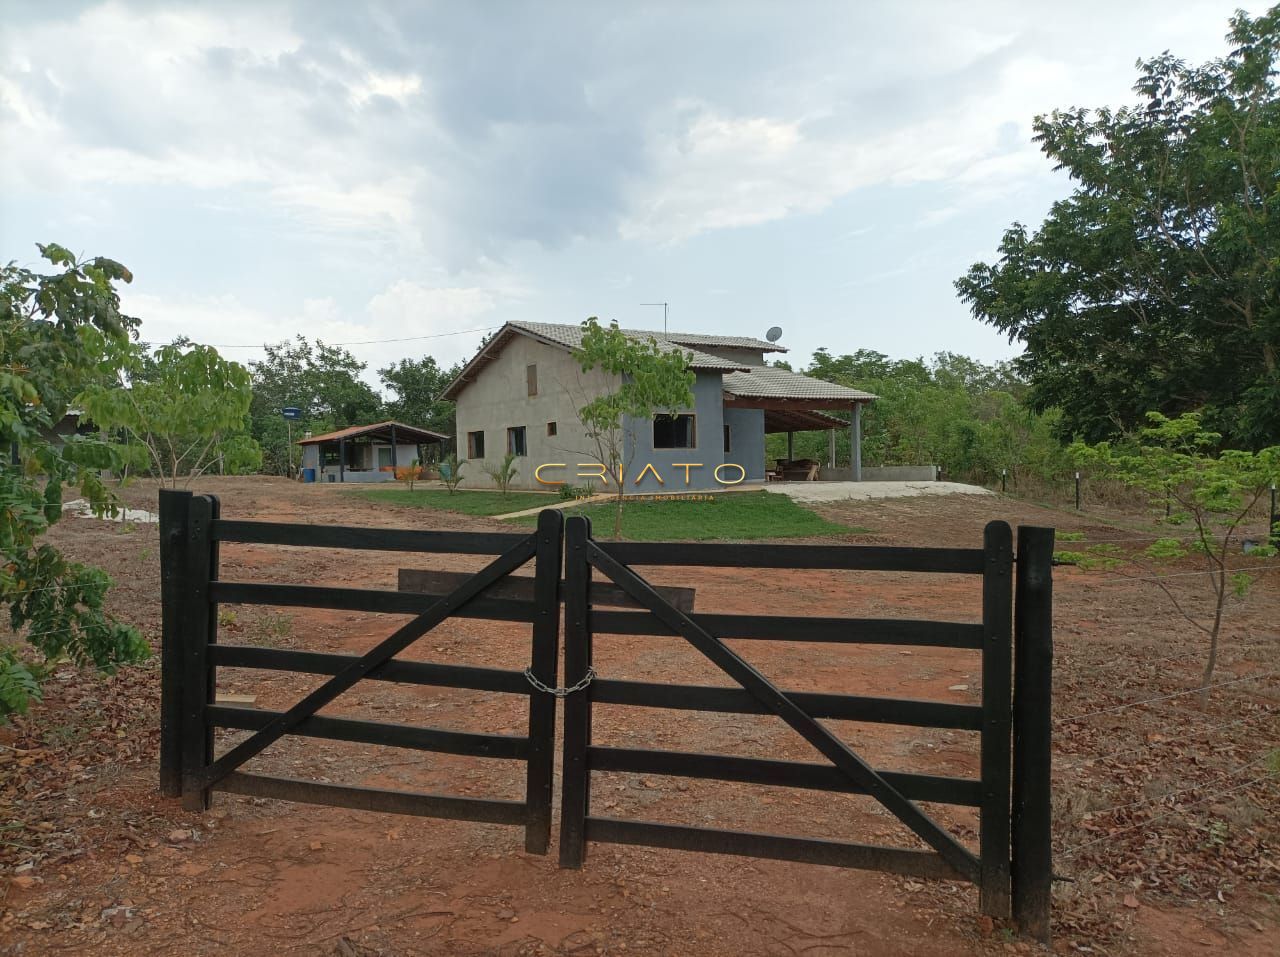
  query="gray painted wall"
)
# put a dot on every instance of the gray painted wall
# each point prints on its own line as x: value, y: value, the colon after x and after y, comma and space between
x: 746, y: 427
x: 708, y: 406
x: 498, y: 399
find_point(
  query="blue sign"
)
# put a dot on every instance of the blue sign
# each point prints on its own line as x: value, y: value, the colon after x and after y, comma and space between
x: 291, y: 413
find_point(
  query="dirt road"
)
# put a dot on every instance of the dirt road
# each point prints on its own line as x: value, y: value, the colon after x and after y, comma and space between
x: 118, y: 870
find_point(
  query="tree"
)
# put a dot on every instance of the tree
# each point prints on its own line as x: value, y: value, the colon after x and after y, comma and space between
x: 58, y: 333
x: 1175, y: 462
x: 650, y: 380
x: 418, y: 385
x: 504, y: 472
x: 1156, y: 284
x: 322, y: 381
x: 185, y: 406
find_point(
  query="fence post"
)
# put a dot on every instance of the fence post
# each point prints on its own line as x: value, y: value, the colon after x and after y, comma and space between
x: 1032, y: 732
x: 575, y: 790
x: 544, y: 666
x: 1077, y: 491
x: 997, y: 710
x: 199, y: 630
x: 174, y: 505
x: 1275, y: 519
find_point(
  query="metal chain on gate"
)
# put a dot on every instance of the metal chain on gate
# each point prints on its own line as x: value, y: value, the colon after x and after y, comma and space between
x: 561, y: 692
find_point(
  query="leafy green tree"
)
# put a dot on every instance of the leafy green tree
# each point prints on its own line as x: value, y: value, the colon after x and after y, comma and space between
x: 418, y: 384
x: 59, y: 333
x: 1156, y: 284
x: 1212, y: 493
x: 322, y: 381
x: 650, y: 380
x: 951, y: 411
x: 184, y: 406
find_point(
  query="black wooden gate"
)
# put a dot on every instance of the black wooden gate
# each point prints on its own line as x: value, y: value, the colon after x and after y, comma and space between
x: 1012, y: 866
x: 990, y: 869
x: 191, y: 530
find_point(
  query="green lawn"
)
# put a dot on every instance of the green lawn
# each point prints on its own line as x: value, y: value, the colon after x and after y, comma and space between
x: 468, y: 503
x: 734, y: 517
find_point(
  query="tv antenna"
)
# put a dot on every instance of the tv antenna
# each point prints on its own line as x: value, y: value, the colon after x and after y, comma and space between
x: 774, y: 333
x: 664, y: 313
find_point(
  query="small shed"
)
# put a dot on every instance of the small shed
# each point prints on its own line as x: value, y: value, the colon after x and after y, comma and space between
x: 366, y: 453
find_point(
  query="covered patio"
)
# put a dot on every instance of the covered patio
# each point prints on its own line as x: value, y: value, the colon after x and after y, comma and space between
x: 364, y: 453
x: 794, y: 403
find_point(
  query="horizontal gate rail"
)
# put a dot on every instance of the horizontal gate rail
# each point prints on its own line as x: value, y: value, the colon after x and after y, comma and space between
x: 192, y: 533
x: 586, y: 554
x: 484, y: 810
x: 893, y: 860
x: 964, y: 561
x: 378, y: 655
x: 840, y: 707
x: 371, y: 539
x: 788, y: 774
x: 472, y: 677
x: 362, y: 599
x: 868, y: 631
x: 471, y: 743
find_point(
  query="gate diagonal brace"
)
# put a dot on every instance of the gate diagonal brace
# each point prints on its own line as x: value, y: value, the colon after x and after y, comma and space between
x: 928, y: 830
x: 401, y: 639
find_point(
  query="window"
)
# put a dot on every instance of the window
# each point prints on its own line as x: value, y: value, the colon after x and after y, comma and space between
x: 674, y: 432
x: 728, y: 444
x: 384, y: 456
x: 531, y: 376
x: 515, y: 440
x: 551, y: 428
x: 475, y: 445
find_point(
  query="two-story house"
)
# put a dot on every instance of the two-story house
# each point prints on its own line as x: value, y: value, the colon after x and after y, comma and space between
x: 522, y: 390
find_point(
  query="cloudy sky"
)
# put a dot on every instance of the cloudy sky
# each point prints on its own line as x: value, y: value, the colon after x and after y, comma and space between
x: 362, y: 171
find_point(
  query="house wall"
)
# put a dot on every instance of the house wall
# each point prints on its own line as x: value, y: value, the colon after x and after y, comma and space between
x: 748, y: 357
x: 708, y: 406
x: 746, y: 440
x: 498, y: 399
x: 367, y: 458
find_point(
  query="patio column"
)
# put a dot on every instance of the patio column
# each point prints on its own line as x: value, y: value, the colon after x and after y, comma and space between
x: 855, y: 447
x: 342, y: 458
x: 791, y: 446
x: 394, y: 463
x: 831, y: 447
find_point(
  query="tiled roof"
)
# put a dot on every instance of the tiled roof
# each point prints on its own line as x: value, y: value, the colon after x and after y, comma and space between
x: 402, y: 430
x: 770, y: 383
x: 728, y: 342
x: 571, y: 338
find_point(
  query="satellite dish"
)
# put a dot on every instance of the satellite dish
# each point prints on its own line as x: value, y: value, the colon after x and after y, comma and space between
x: 774, y: 334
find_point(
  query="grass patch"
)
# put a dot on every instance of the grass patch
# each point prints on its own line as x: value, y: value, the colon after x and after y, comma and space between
x: 468, y: 503
x: 735, y: 517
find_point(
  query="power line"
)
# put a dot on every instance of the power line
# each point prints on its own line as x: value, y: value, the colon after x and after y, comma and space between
x: 356, y: 342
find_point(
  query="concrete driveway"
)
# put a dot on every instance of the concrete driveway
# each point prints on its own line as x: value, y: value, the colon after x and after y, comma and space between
x: 861, y: 491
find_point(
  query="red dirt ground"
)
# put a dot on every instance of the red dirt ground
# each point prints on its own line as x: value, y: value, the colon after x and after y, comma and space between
x: 1167, y: 838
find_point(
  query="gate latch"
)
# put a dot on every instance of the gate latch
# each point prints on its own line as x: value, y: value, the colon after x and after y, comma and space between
x: 561, y: 692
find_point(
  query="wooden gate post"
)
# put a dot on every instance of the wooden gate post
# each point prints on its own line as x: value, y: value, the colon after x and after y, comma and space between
x: 174, y: 505
x: 575, y: 787
x: 199, y: 630
x: 1032, y: 733
x: 997, y: 714
x: 545, y: 664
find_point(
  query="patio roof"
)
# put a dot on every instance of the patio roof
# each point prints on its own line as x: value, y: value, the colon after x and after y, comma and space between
x: 782, y: 390
x: 800, y: 420
x: 381, y: 430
